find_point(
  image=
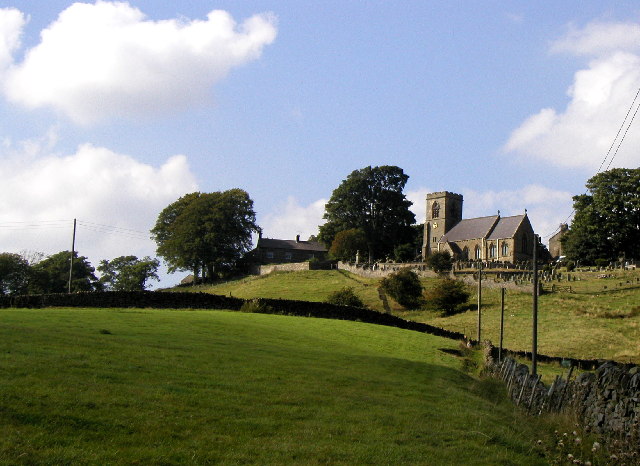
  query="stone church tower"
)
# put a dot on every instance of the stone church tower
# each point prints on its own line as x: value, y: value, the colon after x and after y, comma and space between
x: 444, y: 211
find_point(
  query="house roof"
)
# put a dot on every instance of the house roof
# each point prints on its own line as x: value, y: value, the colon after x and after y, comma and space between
x: 470, y: 228
x: 291, y: 244
x: 506, y: 227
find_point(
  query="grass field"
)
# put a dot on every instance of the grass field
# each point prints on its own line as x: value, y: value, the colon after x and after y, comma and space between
x: 91, y: 386
x: 599, y: 319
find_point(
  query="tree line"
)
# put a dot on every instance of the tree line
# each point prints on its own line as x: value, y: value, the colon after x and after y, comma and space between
x: 36, y: 274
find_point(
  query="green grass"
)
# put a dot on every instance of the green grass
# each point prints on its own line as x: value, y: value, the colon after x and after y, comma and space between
x: 600, y: 319
x: 91, y: 386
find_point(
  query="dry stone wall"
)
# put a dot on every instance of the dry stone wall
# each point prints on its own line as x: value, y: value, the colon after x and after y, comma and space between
x: 606, y: 401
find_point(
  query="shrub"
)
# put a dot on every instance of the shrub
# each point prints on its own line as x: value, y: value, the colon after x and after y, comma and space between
x: 440, y: 262
x: 345, y: 297
x: 256, y: 306
x: 447, y: 295
x: 403, y: 286
x: 602, y: 262
x: 570, y: 266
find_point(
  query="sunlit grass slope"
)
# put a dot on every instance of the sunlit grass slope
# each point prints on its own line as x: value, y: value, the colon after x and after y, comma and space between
x: 194, y: 387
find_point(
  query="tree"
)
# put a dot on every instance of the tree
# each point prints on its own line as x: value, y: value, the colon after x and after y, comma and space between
x: 345, y: 297
x: 51, y: 275
x: 14, y: 274
x: 606, y: 224
x: 128, y: 273
x: 371, y: 200
x: 404, y: 286
x: 347, y: 243
x: 440, y: 261
x: 205, y: 231
x: 447, y: 295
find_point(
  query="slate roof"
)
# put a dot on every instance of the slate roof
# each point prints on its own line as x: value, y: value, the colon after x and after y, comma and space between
x: 291, y: 244
x: 470, y: 228
x: 506, y: 227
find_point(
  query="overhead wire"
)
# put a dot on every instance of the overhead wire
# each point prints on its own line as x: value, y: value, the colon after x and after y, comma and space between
x: 624, y: 135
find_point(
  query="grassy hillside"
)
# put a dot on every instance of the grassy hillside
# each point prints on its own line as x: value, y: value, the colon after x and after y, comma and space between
x: 599, y: 319
x: 168, y: 387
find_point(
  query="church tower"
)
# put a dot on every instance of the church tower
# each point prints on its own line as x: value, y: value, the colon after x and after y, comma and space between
x: 444, y: 211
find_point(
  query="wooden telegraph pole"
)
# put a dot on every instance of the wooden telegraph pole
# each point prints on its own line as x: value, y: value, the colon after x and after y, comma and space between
x: 73, y: 248
x: 479, y: 299
x: 534, y: 346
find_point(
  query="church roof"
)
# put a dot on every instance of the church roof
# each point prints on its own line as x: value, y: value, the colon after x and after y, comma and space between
x: 506, y: 227
x: 291, y: 244
x: 470, y: 228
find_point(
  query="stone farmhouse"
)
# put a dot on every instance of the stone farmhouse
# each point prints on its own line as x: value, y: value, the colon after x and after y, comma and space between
x: 281, y: 251
x: 493, y: 238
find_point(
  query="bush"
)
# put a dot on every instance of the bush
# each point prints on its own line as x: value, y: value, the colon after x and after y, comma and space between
x: 447, y: 295
x: 440, y: 262
x: 403, y: 286
x: 602, y: 262
x: 345, y: 297
x: 256, y: 306
x: 570, y: 266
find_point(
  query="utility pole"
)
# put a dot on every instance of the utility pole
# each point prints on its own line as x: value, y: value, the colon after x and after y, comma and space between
x: 479, y: 299
x: 501, y: 323
x: 534, y: 346
x: 73, y: 248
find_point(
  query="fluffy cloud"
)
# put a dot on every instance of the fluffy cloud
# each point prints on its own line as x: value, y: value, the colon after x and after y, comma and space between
x: 290, y: 219
x: 419, y: 207
x: 107, y: 60
x: 601, y: 94
x: 11, y: 23
x: 115, y: 198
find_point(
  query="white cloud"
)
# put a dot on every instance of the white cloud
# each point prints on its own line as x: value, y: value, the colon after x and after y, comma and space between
x: 419, y: 199
x: 290, y: 219
x: 601, y: 94
x: 107, y: 60
x: 115, y: 198
x: 11, y: 23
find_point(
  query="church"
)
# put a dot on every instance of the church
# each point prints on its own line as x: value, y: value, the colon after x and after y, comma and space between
x: 493, y: 238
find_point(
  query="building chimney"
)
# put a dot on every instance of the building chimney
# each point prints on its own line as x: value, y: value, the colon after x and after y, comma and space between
x: 297, y: 238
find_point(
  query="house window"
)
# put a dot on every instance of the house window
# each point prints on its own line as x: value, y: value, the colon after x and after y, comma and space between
x: 435, y: 210
x: 478, y: 255
x: 492, y: 250
x: 269, y: 254
x: 505, y: 249
x: 287, y: 256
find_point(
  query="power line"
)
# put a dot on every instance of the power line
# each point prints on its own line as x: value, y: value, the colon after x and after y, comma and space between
x: 573, y: 211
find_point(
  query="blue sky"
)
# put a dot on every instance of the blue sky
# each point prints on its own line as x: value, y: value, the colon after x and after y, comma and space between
x: 110, y: 111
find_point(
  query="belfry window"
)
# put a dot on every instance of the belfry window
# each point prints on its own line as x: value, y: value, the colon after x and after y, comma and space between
x: 435, y: 210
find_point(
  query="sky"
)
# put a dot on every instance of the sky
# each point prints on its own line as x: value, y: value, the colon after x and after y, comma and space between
x: 110, y: 111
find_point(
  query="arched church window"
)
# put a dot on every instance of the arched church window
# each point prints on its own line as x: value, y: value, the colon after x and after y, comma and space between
x: 435, y: 210
x: 477, y: 254
x: 524, y: 244
x: 465, y: 253
x: 505, y: 249
x: 492, y: 250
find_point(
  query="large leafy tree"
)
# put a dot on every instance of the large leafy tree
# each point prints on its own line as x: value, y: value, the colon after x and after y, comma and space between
x: 14, y: 274
x: 606, y: 224
x: 205, y: 231
x: 347, y: 243
x: 371, y: 200
x: 51, y: 275
x: 128, y: 273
